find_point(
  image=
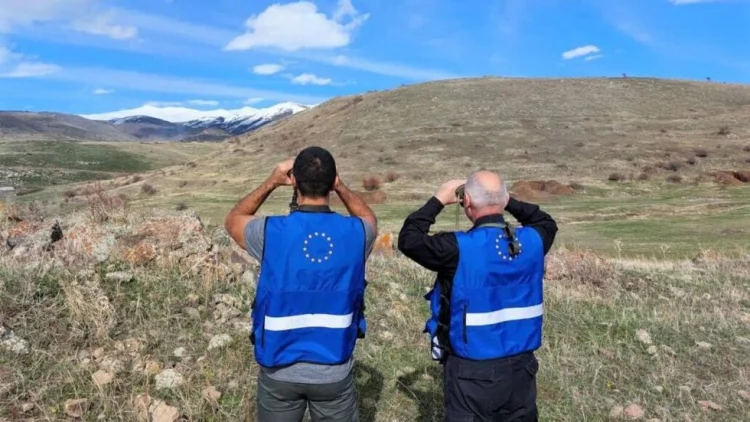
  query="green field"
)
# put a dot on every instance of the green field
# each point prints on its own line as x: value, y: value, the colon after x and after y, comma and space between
x: 40, y: 164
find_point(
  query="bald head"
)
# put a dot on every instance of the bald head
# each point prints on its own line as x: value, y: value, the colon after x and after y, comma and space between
x: 486, y: 189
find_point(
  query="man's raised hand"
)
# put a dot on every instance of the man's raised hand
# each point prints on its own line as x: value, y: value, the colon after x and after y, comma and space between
x: 280, y: 175
x: 447, y: 192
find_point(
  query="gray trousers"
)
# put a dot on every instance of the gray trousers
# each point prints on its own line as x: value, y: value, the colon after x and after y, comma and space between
x: 286, y: 402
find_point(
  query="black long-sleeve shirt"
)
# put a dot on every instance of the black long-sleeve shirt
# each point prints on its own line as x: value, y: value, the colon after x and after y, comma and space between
x: 439, y: 252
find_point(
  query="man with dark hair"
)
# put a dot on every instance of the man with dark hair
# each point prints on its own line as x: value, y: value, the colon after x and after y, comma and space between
x: 308, y: 311
x: 486, y: 304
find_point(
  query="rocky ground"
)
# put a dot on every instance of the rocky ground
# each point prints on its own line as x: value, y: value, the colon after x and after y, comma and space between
x: 120, y: 314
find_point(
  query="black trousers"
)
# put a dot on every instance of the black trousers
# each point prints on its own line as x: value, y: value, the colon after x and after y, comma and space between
x: 502, y: 390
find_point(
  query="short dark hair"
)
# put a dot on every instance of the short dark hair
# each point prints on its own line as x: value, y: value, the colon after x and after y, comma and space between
x: 315, y: 172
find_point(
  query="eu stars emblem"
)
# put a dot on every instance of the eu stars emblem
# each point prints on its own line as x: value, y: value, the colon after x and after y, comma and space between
x: 318, y: 247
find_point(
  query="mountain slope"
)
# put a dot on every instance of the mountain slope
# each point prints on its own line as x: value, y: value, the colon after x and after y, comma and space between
x: 212, y: 125
x: 21, y: 126
x: 528, y: 129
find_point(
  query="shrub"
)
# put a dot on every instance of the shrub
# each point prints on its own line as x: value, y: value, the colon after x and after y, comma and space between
x: 692, y: 161
x: 724, y: 130
x: 102, y: 206
x: 191, y: 164
x: 701, y: 152
x: 746, y: 148
x: 617, y: 177
x: 70, y: 193
x: 644, y: 176
x: 147, y: 189
x: 672, y: 165
x: 392, y: 176
x: 183, y: 183
x: 371, y: 183
x: 181, y: 206
x: 136, y: 179
x: 675, y: 178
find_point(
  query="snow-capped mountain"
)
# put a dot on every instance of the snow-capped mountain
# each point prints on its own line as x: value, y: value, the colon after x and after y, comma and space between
x: 181, y: 123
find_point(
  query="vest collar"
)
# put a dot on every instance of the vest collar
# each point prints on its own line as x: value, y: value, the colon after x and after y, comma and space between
x: 314, y: 208
x: 491, y: 219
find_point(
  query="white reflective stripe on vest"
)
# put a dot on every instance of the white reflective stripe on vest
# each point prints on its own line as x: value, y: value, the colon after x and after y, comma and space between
x: 503, y: 315
x: 307, y: 321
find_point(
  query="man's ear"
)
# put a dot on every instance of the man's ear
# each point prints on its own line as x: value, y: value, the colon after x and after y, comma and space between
x: 293, y: 180
x: 467, y: 200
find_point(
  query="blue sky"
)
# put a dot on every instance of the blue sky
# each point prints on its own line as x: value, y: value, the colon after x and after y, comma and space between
x: 94, y: 56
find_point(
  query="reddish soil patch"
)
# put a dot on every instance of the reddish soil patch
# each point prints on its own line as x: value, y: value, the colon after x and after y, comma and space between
x: 732, y: 178
x: 383, y: 244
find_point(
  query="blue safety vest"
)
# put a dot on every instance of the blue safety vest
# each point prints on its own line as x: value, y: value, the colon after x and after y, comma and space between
x: 309, y: 303
x: 496, y: 299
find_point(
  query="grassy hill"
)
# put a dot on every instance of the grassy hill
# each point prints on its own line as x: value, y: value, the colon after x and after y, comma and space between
x: 32, y: 166
x: 661, y: 141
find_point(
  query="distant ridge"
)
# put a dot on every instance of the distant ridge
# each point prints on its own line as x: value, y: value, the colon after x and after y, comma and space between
x: 147, y: 123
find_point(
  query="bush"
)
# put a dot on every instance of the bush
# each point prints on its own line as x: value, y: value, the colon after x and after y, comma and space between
x: 724, y: 130
x: 617, y: 177
x: 147, y: 189
x: 371, y: 183
x: 392, y: 176
x: 70, y: 193
x: 183, y: 183
x: 746, y: 148
x: 675, y: 178
x: 701, y: 152
x: 644, y: 176
x: 692, y: 161
x: 672, y: 165
x: 181, y: 206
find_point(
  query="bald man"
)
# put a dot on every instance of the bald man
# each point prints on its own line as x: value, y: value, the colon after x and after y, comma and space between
x: 486, y: 304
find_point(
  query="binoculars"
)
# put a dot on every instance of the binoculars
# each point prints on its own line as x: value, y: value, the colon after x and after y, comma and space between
x: 460, y: 194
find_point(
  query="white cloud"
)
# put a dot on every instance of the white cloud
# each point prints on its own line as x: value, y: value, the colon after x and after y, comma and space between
x: 296, y: 26
x: 101, y: 25
x: 205, y: 103
x: 309, y: 78
x: 384, y: 68
x: 251, y: 101
x: 103, y: 91
x: 267, y: 69
x: 197, y: 103
x: 580, y: 51
x: 16, y: 14
x: 30, y: 70
x: 16, y: 65
x: 595, y: 57
x: 149, y: 82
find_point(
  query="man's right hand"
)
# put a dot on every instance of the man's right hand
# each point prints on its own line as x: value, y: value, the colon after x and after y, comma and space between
x: 447, y: 192
x: 280, y: 174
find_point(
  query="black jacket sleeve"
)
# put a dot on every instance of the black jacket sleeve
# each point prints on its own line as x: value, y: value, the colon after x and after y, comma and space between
x: 434, y: 252
x: 530, y: 215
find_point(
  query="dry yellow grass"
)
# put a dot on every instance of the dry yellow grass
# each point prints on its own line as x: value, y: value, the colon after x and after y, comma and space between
x: 145, y: 332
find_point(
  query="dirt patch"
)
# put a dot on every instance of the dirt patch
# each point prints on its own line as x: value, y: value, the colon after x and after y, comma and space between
x: 539, y: 189
x: 732, y: 178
